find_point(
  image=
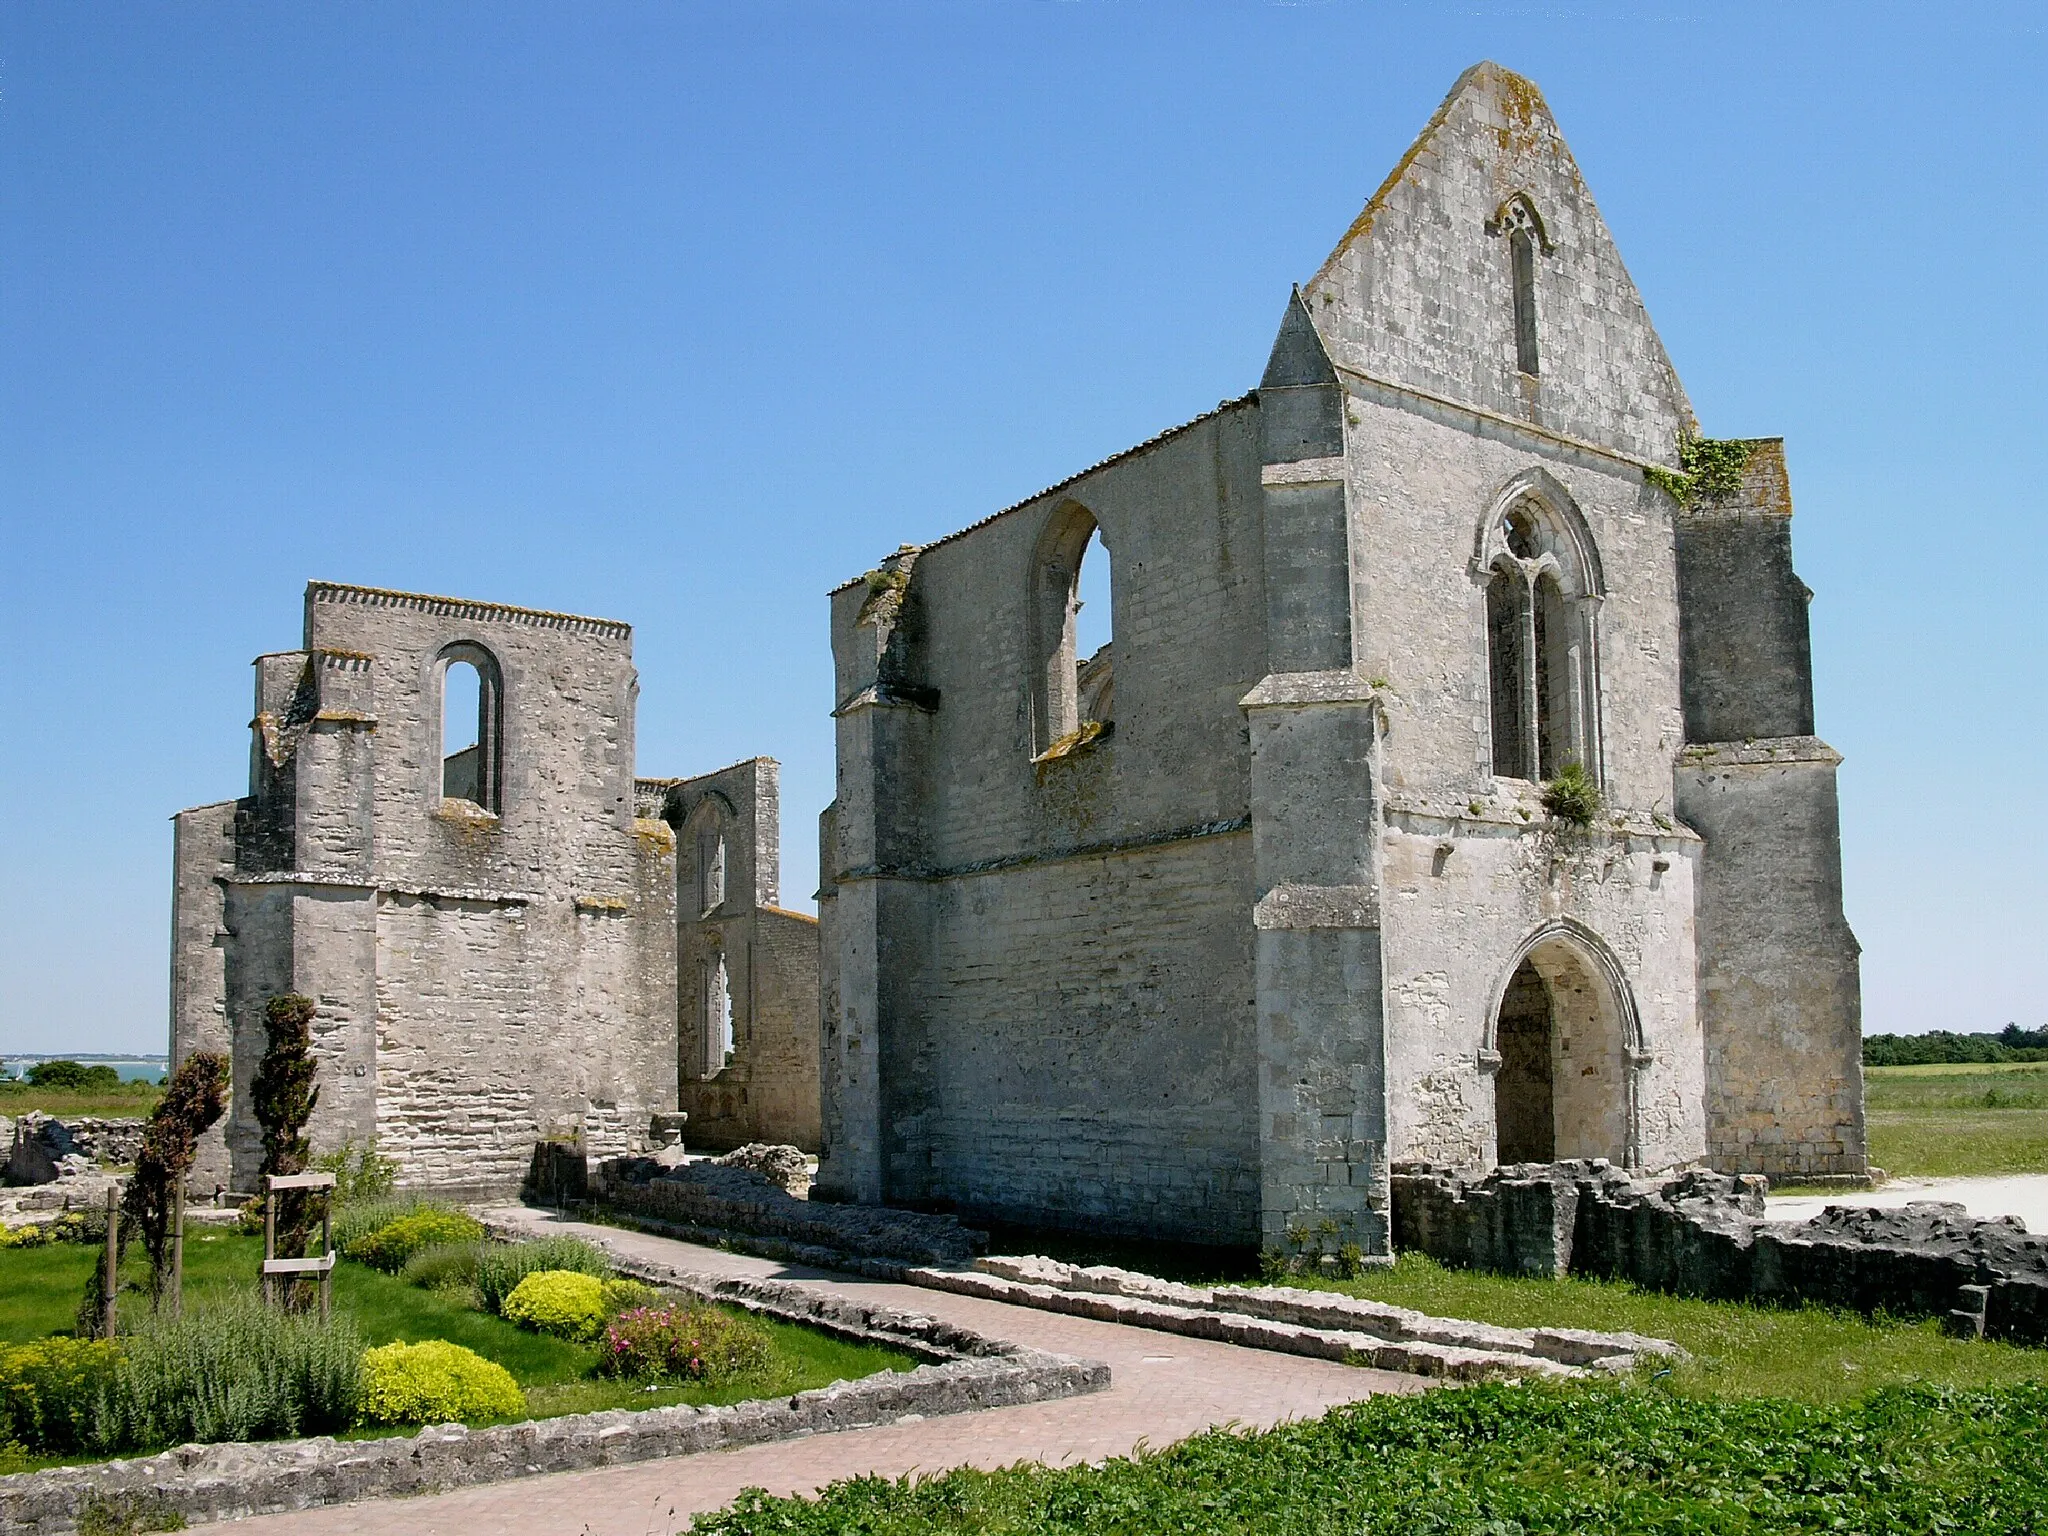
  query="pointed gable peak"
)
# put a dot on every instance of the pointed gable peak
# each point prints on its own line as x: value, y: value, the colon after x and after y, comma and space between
x: 1482, y: 272
x: 1512, y: 106
x: 1299, y: 356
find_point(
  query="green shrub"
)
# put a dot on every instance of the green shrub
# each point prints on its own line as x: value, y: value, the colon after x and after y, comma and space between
x: 688, y: 1342
x: 562, y: 1302
x: 504, y: 1265
x: 74, y: 1075
x: 443, y: 1264
x: 50, y: 1392
x: 390, y: 1246
x: 361, y: 1173
x: 622, y: 1295
x: 435, y: 1383
x: 353, y: 1223
x: 1572, y: 796
x: 231, y: 1369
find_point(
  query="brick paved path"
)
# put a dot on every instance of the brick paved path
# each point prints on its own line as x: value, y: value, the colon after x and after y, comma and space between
x: 1163, y: 1388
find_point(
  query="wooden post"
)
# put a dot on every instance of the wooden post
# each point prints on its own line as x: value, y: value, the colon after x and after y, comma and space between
x: 269, y: 1242
x: 178, y: 1248
x: 327, y: 1247
x: 110, y: 1323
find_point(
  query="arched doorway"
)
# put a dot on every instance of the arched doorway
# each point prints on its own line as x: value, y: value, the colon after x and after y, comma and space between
x: 1564, y: 1037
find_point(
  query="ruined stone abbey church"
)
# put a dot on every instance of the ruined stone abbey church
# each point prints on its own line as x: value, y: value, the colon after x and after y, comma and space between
x: 1447, y: 792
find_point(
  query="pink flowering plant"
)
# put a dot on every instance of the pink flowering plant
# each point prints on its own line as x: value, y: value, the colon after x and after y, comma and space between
x: 684, y: 1342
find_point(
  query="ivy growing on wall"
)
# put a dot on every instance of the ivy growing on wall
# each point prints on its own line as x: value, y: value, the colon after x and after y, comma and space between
x: 1709, y: 469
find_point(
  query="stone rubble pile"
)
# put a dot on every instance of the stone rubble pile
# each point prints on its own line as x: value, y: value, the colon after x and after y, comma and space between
x: 709, y: 1200
x: 52, y: 1166
x: 785, y: 1165
x: 1704, y: 1234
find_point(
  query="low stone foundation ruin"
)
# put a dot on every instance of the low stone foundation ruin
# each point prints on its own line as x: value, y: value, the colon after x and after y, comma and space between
x: 710, y: 1201
x: 1704, y: 1234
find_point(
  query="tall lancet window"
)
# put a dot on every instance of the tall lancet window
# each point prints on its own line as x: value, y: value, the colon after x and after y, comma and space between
x: 1527, y: 239
x: 1523, y: 250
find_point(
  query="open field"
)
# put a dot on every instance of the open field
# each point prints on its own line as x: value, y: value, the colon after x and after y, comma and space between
x: 40, y: 1290
x: 1948, y: 1119
x: 130, y: 1099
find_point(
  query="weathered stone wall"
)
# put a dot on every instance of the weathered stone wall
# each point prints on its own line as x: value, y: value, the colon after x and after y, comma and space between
x: 1780, y: 989
x: 202, y: 852
x: 728, y: 873
x: 1779, y: 969
x: 1056, y: 951
x: 484, y: 974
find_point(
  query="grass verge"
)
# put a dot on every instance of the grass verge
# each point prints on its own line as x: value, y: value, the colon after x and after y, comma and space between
x: 1808, y: 1354
x: 1501, y: 1461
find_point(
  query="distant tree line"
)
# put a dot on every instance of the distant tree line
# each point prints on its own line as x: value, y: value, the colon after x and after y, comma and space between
x: 94, y: 1077
x: 1940, y: 1045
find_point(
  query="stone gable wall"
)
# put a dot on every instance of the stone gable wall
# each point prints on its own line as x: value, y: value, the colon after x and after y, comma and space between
x: 1419, y: 292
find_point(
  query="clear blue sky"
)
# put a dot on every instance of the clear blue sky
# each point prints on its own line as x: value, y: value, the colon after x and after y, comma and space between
x: 682, y: 313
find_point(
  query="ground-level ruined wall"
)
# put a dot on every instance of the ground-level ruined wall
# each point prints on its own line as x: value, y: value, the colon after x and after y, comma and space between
x: 1076, y: 1047
x: 1466, y: 898
x: 1780, y: 989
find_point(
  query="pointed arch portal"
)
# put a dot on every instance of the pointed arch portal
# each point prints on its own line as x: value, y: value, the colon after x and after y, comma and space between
x: 1565, y: 1045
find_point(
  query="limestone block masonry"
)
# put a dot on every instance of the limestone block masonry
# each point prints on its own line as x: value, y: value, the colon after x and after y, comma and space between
x: 1199, y: 955
x: 481, y: 906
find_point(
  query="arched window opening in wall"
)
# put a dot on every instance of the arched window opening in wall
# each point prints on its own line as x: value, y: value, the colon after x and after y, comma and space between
x: 1542, y: 643
x: 1071, y: 686
x: 1505, y: 596
x: 715, y: 1014
x: 710, y: 867
x: 471, y: 719
x: 1555, y: 741
x: 1522, y: 252
x: 1094, y: 635
x: 1526, y: 237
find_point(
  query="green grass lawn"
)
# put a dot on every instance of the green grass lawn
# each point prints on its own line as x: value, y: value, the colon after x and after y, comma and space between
x: 129, y: 1101
x: 1501, y: 1461
x: 1809, y: 1354
x: 1948, y: 1120
x: 40, y: 1288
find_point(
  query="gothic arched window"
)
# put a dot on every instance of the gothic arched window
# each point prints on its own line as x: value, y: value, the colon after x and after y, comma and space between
x: 1542, y: 644
x: 1526, y: 238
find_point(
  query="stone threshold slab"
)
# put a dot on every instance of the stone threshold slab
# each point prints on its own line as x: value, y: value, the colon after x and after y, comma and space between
x: 964, y: 1373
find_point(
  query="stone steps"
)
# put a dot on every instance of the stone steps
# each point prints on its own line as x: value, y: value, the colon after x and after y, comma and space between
x: 1322, y: 1324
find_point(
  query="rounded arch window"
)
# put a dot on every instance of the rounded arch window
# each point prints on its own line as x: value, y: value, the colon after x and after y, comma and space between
x: 471, y: 717
x: 1072, y: 603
